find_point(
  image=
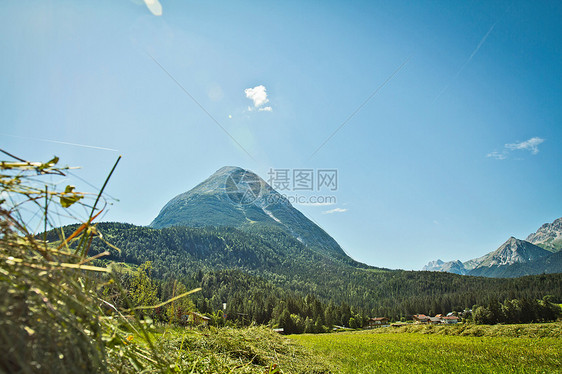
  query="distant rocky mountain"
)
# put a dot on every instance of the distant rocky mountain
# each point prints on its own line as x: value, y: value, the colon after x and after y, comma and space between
x: 433, y: 266
x: 515, y: 257
x: 235, y: 197
x: 544, y: 265
x: 549, y: 264
x: 513, y: 251
x: 455, y: 267
x: 548, y: 236
x: 471, y: 264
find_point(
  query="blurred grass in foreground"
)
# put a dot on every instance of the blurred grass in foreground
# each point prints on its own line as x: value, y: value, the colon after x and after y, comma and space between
x: 52, y: 316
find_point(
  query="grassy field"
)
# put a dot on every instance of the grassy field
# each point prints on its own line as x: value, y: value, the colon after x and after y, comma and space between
x: 426, y: 351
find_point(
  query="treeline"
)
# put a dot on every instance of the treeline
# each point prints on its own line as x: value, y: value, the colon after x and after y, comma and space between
x: 517, y: 311
x: 255, y: 273
x: 253, y: 300
x: 236, y: 298
x: 225, y: 302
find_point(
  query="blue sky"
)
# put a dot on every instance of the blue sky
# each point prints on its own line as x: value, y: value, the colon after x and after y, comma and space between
x: 457, y: 152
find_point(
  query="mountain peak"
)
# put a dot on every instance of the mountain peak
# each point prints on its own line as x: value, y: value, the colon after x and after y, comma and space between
x: 513, y: 251
x: 512, y: 242
x: 236, y: 197
x: 230, y: 169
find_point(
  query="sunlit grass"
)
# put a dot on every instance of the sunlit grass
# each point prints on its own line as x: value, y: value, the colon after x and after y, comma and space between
x: 368, y: 352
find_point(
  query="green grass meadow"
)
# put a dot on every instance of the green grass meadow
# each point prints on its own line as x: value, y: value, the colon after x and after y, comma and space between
x: 404, y: 352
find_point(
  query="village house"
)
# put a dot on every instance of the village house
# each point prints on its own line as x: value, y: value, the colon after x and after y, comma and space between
x: 438, y: 319
x: 449, y: 320
x: 420, y: 318
x: 377, y: 322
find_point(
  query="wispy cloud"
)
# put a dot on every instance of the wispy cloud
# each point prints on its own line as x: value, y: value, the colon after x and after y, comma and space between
x: 531, y: 145
x: 258, y: 95
x: 335, y: 210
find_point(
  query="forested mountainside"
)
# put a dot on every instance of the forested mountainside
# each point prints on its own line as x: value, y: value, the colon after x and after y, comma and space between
x: 234, y: 265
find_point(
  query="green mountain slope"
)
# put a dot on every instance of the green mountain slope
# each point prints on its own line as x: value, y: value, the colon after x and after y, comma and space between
x: 276, y: 258
x: 237, y: 237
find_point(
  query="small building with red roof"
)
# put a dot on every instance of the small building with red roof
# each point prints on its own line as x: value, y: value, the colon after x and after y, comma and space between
x: 377, y: 322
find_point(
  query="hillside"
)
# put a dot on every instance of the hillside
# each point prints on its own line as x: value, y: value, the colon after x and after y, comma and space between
x: 231, y: 264
x: 236, y: 236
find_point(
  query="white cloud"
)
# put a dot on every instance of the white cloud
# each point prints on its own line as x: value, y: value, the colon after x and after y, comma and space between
x: 335, y: 210
x: 258, y: 95
x: 154, y: 6
x: 531, y: 145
